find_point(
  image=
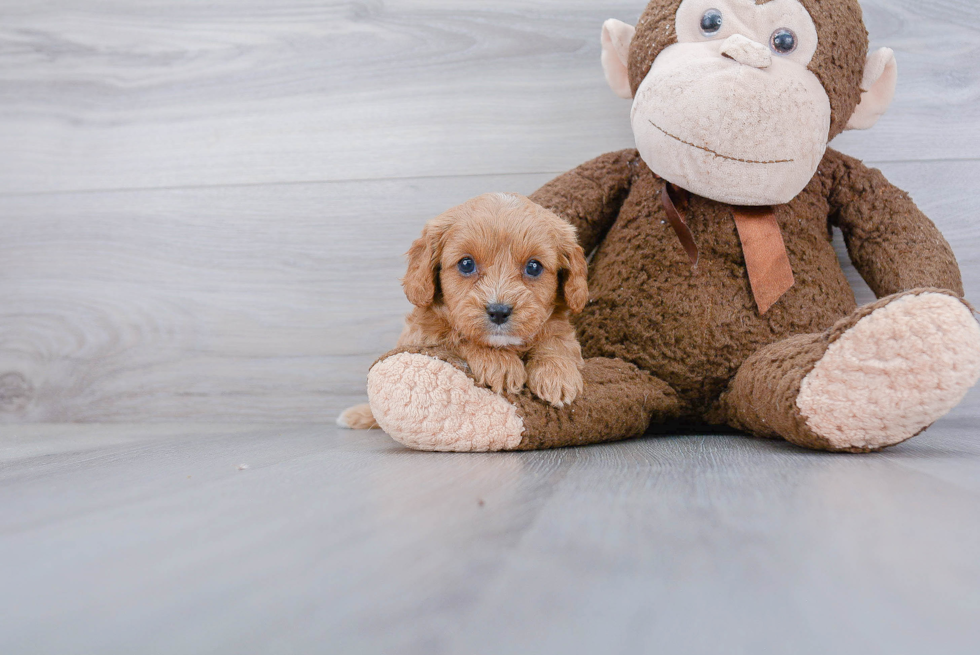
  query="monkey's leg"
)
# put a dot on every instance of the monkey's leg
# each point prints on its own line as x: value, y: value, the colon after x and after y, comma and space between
x: 875, y: 379
x: 426, y: 399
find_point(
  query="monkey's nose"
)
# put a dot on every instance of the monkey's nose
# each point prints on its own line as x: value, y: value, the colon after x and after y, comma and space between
x: 499, y: 314
x: 746, y: 51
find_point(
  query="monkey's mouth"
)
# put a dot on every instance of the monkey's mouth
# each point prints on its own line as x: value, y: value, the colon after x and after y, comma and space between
x: 718, y: 154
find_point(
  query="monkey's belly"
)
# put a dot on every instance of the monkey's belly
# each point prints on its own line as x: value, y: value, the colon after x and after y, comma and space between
x: 693, y: 329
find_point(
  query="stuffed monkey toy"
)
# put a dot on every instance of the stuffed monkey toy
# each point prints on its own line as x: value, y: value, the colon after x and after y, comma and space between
x: 716, y: 297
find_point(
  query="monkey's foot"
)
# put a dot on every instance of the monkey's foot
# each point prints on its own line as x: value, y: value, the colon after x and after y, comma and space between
x: 426, y: 399
x: 892, y: 370
x: 427, y: 403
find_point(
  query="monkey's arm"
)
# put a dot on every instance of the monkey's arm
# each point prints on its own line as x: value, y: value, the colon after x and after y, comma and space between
x: 590, y: 196
x: 892, y: 244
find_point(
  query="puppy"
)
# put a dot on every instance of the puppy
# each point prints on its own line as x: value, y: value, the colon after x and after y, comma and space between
x: 494, y: 280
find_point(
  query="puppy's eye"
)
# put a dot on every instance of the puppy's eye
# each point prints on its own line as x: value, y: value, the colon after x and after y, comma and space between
x: 711, y: 22
x: 783, y: 41
x: 466, y: 266
x: 533, y: 268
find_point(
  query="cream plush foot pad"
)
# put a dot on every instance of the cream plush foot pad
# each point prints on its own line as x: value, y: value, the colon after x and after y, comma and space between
x: 894, y: 373
x: 428, y: 404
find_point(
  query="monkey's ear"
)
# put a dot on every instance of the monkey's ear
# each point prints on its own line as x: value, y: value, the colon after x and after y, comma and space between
x: 616, y: 38
x: 878, y: 87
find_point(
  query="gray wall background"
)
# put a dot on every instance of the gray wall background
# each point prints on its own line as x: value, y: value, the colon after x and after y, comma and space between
x: 203, y: 206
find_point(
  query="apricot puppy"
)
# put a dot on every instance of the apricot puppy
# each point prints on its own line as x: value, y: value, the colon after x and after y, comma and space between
x: 494, y: 280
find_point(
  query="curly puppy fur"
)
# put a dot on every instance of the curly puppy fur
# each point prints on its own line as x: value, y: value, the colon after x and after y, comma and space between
x: 535, y: 345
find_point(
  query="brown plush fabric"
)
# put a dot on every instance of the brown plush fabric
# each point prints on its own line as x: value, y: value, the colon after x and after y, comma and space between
x: 841, y: 53
x: 838, y: 63
x: 619, y: 402
x: 762, y: 397
x: 681, y: 335
x: 694, y: 328
x: 864, y: 205
x: 655, y: 31
x: 672, y: 342
x: 591, y: 195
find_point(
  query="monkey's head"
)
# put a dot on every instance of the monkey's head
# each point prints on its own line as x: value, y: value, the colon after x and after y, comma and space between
x: 736, y: 100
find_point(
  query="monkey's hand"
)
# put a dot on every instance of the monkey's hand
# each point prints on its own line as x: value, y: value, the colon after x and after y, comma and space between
x: 501, y: 370
x: 556, y: 380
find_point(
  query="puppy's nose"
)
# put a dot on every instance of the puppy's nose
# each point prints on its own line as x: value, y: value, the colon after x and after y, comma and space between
x: 498, y: 313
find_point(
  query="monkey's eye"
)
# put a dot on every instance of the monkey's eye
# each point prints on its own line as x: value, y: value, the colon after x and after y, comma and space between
x: 783, y: 41
x: 711, y: 22
x: 533, y: 268
x: 466, y: 266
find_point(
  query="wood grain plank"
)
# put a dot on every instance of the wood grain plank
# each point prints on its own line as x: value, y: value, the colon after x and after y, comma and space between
x: 114, y: 95
x: 804, y: 553
x: 226, y: 304
x: 253, y: 303
x: 161, y: 543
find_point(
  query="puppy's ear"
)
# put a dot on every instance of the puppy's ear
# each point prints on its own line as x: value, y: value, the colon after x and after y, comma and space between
x: 423, y: 264
x: 575, y: 286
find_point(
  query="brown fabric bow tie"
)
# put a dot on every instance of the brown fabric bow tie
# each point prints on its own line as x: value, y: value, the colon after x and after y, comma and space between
x: 770, y: 273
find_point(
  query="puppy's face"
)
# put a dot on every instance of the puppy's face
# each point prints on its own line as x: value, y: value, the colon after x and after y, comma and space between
x: 500, y: 265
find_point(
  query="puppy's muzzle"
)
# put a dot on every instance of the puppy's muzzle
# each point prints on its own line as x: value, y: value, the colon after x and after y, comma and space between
x: 499, y: 314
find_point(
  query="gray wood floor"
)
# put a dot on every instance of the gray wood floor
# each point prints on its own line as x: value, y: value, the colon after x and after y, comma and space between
x: 203, y: 208
x: 136, y: 539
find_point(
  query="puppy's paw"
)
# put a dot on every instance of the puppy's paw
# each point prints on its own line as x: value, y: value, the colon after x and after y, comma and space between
x: 500, y: 370
x: 555, y: 381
